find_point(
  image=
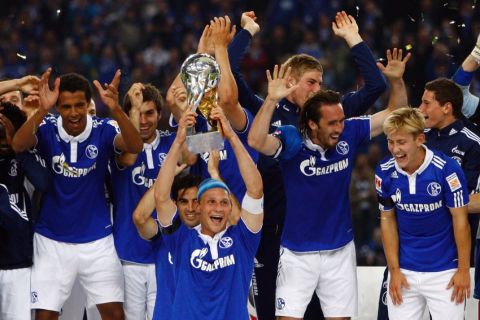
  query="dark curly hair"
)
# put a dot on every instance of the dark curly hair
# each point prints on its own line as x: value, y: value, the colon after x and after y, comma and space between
x: 13, y: 113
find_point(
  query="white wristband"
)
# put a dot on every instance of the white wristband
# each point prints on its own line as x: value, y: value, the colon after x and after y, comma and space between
x: 254, y: 206
x: 476, y: 53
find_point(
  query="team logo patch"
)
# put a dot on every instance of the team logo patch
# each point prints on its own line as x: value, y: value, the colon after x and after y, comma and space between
x: 397, y: 197
x: 91, y: 151
x: 13, y: 168
x: 225, y: 242
x: 378, y: 183
x: 161, y: 157
x: 342, y: 147
x: 280, y: 303
x: 453, y: 182
x: 34, y: 296
x: 434, y: 189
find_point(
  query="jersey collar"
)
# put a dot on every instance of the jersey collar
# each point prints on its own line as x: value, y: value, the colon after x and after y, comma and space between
x: 154, y: 143
x: 81, y: 137
x: 426, y: 162
x: 451, y: 129
x: 212, y: 242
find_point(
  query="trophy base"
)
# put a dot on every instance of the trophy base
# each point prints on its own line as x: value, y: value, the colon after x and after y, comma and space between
x: 205, y: 142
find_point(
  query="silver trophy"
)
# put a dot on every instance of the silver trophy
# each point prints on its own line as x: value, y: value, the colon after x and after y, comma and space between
x: 200, y: 75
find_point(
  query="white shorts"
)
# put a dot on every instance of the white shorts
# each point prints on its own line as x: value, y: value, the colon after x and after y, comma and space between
x: 140, y: 290
x: 331, y: 274
x: 57, y: 265
x: 15, y: 294
x: 426, y: 289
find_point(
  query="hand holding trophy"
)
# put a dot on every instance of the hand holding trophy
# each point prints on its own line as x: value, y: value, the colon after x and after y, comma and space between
x: 200, y: 75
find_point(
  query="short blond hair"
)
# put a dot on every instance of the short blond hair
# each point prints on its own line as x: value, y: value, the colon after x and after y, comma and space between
x: 406, y: 120
x: 301, y: 63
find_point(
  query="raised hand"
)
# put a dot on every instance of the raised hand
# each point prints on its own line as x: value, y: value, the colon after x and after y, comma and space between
x: 180, y: 97
x: 249, y: 22
x: 187, y: 120
x: 213, y: 163
x: 218, y: 115
x: 346, y: 27
x: 48, y: 97
x: 205, y: 44
x: 278, y: 85
x: 222, y: 32
x: 395, y: 64
x: 109, y: 95
x: 31, y: 103
x: 135, y: 95
x: 29, y: 84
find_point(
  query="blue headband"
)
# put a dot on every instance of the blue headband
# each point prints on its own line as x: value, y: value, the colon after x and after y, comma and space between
x: 210, y: 183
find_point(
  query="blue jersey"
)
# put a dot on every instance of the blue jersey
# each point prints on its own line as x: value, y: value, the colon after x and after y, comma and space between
x: 461, y: 144
x: 128, y: 187
x: 317, y: 186
x: 212, y: 275
x: 421, y: 201
x: 74, y: 208
x: 165, y: 280
x: 228, y: 165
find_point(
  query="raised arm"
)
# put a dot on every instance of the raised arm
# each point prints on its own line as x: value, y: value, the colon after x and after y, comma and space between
x: 278, y: 88
x: 222, y: 35
x: 135, y: 95
x: 236, y: 51
x: 142, y: 215
x: 474, y: 203
x: 165, y: 206
x: 27, y: 84
x: 357, y: 103
x: 25, y: 137
x: 129, y: 139
x: 461, y: 279
x: 398, y: 93
x: 252, y: 203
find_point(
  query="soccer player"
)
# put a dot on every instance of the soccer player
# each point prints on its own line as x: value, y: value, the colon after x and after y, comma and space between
x: 16, y: 216
x: 132, y: 175
x: 317, y: 252
x: 216, y: 258
x: 307, y: 73
x: 184, y: 195
x: 423, y: 199
x: 73, y: 235
x: 215, y: 40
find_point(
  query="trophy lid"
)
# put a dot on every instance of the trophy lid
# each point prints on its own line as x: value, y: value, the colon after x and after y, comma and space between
x: 200, y: 70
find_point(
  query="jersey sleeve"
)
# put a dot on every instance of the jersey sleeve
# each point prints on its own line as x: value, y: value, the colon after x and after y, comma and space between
x: 11, y: 216
x: 110, y: 131
x: 385, y: 202
x: 174, y: 233
x: 236, y: 51
x: 454, y: 185
x: 470, y: 102
x: 290, y: 142
x: 45, y: 131
x: 357, y: 103
x: 360, y: 128
x: 250, y: 239
x: 35, y: 170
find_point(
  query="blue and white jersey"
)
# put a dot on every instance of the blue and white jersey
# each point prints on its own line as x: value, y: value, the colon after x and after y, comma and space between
x: 421, y: 202
x: 165, y: 280
x: 228, y: 165
x: 74, y: 208
x: 317, y: 186
x: 212, y: 275
x: 128, y: 186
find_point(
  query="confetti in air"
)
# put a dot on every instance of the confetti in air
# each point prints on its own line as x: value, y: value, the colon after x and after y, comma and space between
x: 380, y: 59
x: 408, y: 47
x: 458, y: 40
x: 411, y: 18
x: 58, y: 12
x: 445, y: 4
x: 423, y: 19
x: 21, y: 56
x: 434, y: 40
x: 358, y: 10
x: 461, y: 25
